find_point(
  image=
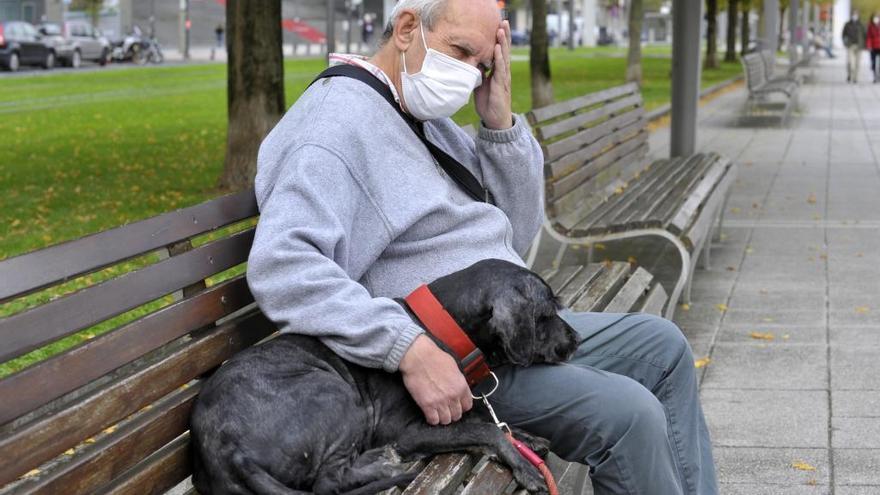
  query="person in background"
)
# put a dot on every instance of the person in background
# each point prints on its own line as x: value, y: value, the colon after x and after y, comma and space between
x: 873, y: 45
x: 218, y: 32
x: 853, y: 39
x: 819, y: 43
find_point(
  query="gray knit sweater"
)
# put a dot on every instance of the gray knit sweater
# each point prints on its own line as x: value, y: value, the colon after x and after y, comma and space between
x: 354, y: 211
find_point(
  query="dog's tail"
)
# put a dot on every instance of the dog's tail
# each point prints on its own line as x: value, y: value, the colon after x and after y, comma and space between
x: 380, y: 485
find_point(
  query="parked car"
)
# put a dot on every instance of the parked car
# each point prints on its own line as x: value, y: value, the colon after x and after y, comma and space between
x: 21, y: 44
x: 80, y: 42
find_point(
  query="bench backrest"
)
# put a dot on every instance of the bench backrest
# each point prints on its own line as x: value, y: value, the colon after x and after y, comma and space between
x: 144, y: 311
x: 593, y: 145
x: 755, y: 70
x: 769, y: 60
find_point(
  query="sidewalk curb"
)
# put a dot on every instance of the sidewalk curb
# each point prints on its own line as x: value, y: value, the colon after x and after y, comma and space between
x: 665, y: 109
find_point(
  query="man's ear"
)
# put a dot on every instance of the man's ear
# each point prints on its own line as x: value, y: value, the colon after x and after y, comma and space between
x: 404, y: 29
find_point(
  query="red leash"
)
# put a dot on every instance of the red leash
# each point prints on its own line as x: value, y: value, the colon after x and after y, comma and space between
x: 441, y: 325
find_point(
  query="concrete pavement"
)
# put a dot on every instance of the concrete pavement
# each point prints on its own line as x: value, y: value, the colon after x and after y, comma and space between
x: 789, y: 316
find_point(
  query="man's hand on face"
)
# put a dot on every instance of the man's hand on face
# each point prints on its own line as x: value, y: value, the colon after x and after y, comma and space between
x: 492, y: 98
x: 433, y: 379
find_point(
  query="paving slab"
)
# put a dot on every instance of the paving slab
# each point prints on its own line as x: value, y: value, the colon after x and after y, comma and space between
x: 774, y: 466
x: 856, y: 466
x: 764, y: 366
x: 766, y: 418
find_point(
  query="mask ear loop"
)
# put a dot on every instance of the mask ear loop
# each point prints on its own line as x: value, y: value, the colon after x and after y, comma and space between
x: 424, y: 43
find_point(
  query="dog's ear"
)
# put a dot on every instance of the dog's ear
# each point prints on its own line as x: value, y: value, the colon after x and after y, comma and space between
x: 513, y: 323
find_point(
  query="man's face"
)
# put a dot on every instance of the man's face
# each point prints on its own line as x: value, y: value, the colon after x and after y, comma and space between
x: 466, y: 32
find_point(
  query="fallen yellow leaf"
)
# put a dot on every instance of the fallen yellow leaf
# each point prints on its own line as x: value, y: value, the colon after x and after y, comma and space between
x: 90, y: 440
x: 69, y: 452
x: 762, y: 336
x: 735, y: 210
x: 803, y: 466
x: 699, y: 363
x: 110, y: 429
x: 599, y: 246
x: 862, y: 310
x: 811, y: 198
x: 685, y: 307
x: 31, y: 473
x: 721, y: 307
x: 632, y: 260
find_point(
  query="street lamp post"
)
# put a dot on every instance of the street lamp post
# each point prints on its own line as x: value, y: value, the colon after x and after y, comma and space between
x: 687, y: 16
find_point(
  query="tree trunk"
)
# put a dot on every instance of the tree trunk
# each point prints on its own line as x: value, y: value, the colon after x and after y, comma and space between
x: 634, y: 53
x: 539, y: 60
x: 711, y: 34
x: 730, y: 55
x: 255, y: 85
x: 781, y: 39
x: 745, y: 34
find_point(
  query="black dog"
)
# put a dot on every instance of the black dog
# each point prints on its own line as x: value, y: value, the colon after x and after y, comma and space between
x: 291, y: 417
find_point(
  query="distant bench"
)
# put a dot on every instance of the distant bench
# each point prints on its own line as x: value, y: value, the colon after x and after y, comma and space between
x: 110, y: 414
x: 761, y: 86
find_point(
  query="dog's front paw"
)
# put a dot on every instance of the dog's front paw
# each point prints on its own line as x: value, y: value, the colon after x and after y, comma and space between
x: 531, y: 479
x: 539, y: 445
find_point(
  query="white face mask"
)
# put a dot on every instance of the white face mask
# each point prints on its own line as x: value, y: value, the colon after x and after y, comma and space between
x: 441, y: 88
x: 877, y: 20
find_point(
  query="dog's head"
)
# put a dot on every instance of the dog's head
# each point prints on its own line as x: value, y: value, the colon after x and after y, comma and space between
x: 509, y: 312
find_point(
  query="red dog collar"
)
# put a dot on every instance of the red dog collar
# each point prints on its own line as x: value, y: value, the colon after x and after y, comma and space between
x: 442, y: 326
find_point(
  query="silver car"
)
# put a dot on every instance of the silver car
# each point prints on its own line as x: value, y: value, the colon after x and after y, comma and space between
x: 80, y: 42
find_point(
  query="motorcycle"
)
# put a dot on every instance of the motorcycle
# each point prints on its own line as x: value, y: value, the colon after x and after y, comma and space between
x: 137, y: 48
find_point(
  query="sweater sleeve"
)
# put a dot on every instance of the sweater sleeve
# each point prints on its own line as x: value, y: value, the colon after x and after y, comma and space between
x: 298, y: 269
x: 512, y: 164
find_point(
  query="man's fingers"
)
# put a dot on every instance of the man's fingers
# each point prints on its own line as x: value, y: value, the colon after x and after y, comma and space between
x: 455, y: 410
x: 431, y: 416
x: 467, y: 403
x: 445, y: 415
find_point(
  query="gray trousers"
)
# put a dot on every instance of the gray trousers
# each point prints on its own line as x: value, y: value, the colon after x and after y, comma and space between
x: 627, y: 405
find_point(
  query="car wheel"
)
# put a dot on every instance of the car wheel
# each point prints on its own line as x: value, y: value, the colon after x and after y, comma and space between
x: 105, y: 57
x: 50, y: 60
x: 14, y: 62
x: 75, y: 59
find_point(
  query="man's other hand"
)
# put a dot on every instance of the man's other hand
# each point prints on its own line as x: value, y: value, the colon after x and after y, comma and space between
x: 433, y: 379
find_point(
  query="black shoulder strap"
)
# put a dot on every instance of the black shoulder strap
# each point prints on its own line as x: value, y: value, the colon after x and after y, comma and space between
x: 459, y: 173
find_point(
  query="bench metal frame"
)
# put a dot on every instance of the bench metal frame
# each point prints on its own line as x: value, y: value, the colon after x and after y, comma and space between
x: 761, y: 88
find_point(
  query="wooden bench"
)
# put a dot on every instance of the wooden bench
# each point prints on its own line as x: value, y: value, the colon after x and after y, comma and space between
x: 146, y: 311
x: 760, y: 88
x: 600, y: 187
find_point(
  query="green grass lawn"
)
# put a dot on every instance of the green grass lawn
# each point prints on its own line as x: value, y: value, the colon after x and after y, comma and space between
x: 85, y: 152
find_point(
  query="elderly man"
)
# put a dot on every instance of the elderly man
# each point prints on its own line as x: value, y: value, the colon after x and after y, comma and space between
x: 355, y: 211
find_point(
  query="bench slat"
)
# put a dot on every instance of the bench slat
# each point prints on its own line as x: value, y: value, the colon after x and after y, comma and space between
x: 574, y: 206
x: 688, y: 211
x: 58, y: 375
x: 567, y: 153
x: 490, y: 477
x: 155, y: 475
x: 23, y: 332
x: 32, y: 271
x: 642, y: 195
x: 655, y: 301
x: 540, y: 115
x: 45, y: 438
x: 633, y: 290
x: 561, y: 168
x: 578, y: 284
x: 99, y: 463
x: 442, y: 475
x: 606, y: 285
x: 679, y: 174
x: 593, y: 194
x: 556, y: 188
x: 615, y: 197
x: 682, y: 189
x: 561, y: 277
x: 579, y: 120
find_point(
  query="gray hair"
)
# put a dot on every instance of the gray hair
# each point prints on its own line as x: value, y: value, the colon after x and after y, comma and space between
x: 429, y: 11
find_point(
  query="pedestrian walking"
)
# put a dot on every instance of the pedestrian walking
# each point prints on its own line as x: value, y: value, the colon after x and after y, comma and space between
x: 854, y: 37
x: 873, y: 45
x: 218, y: 32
